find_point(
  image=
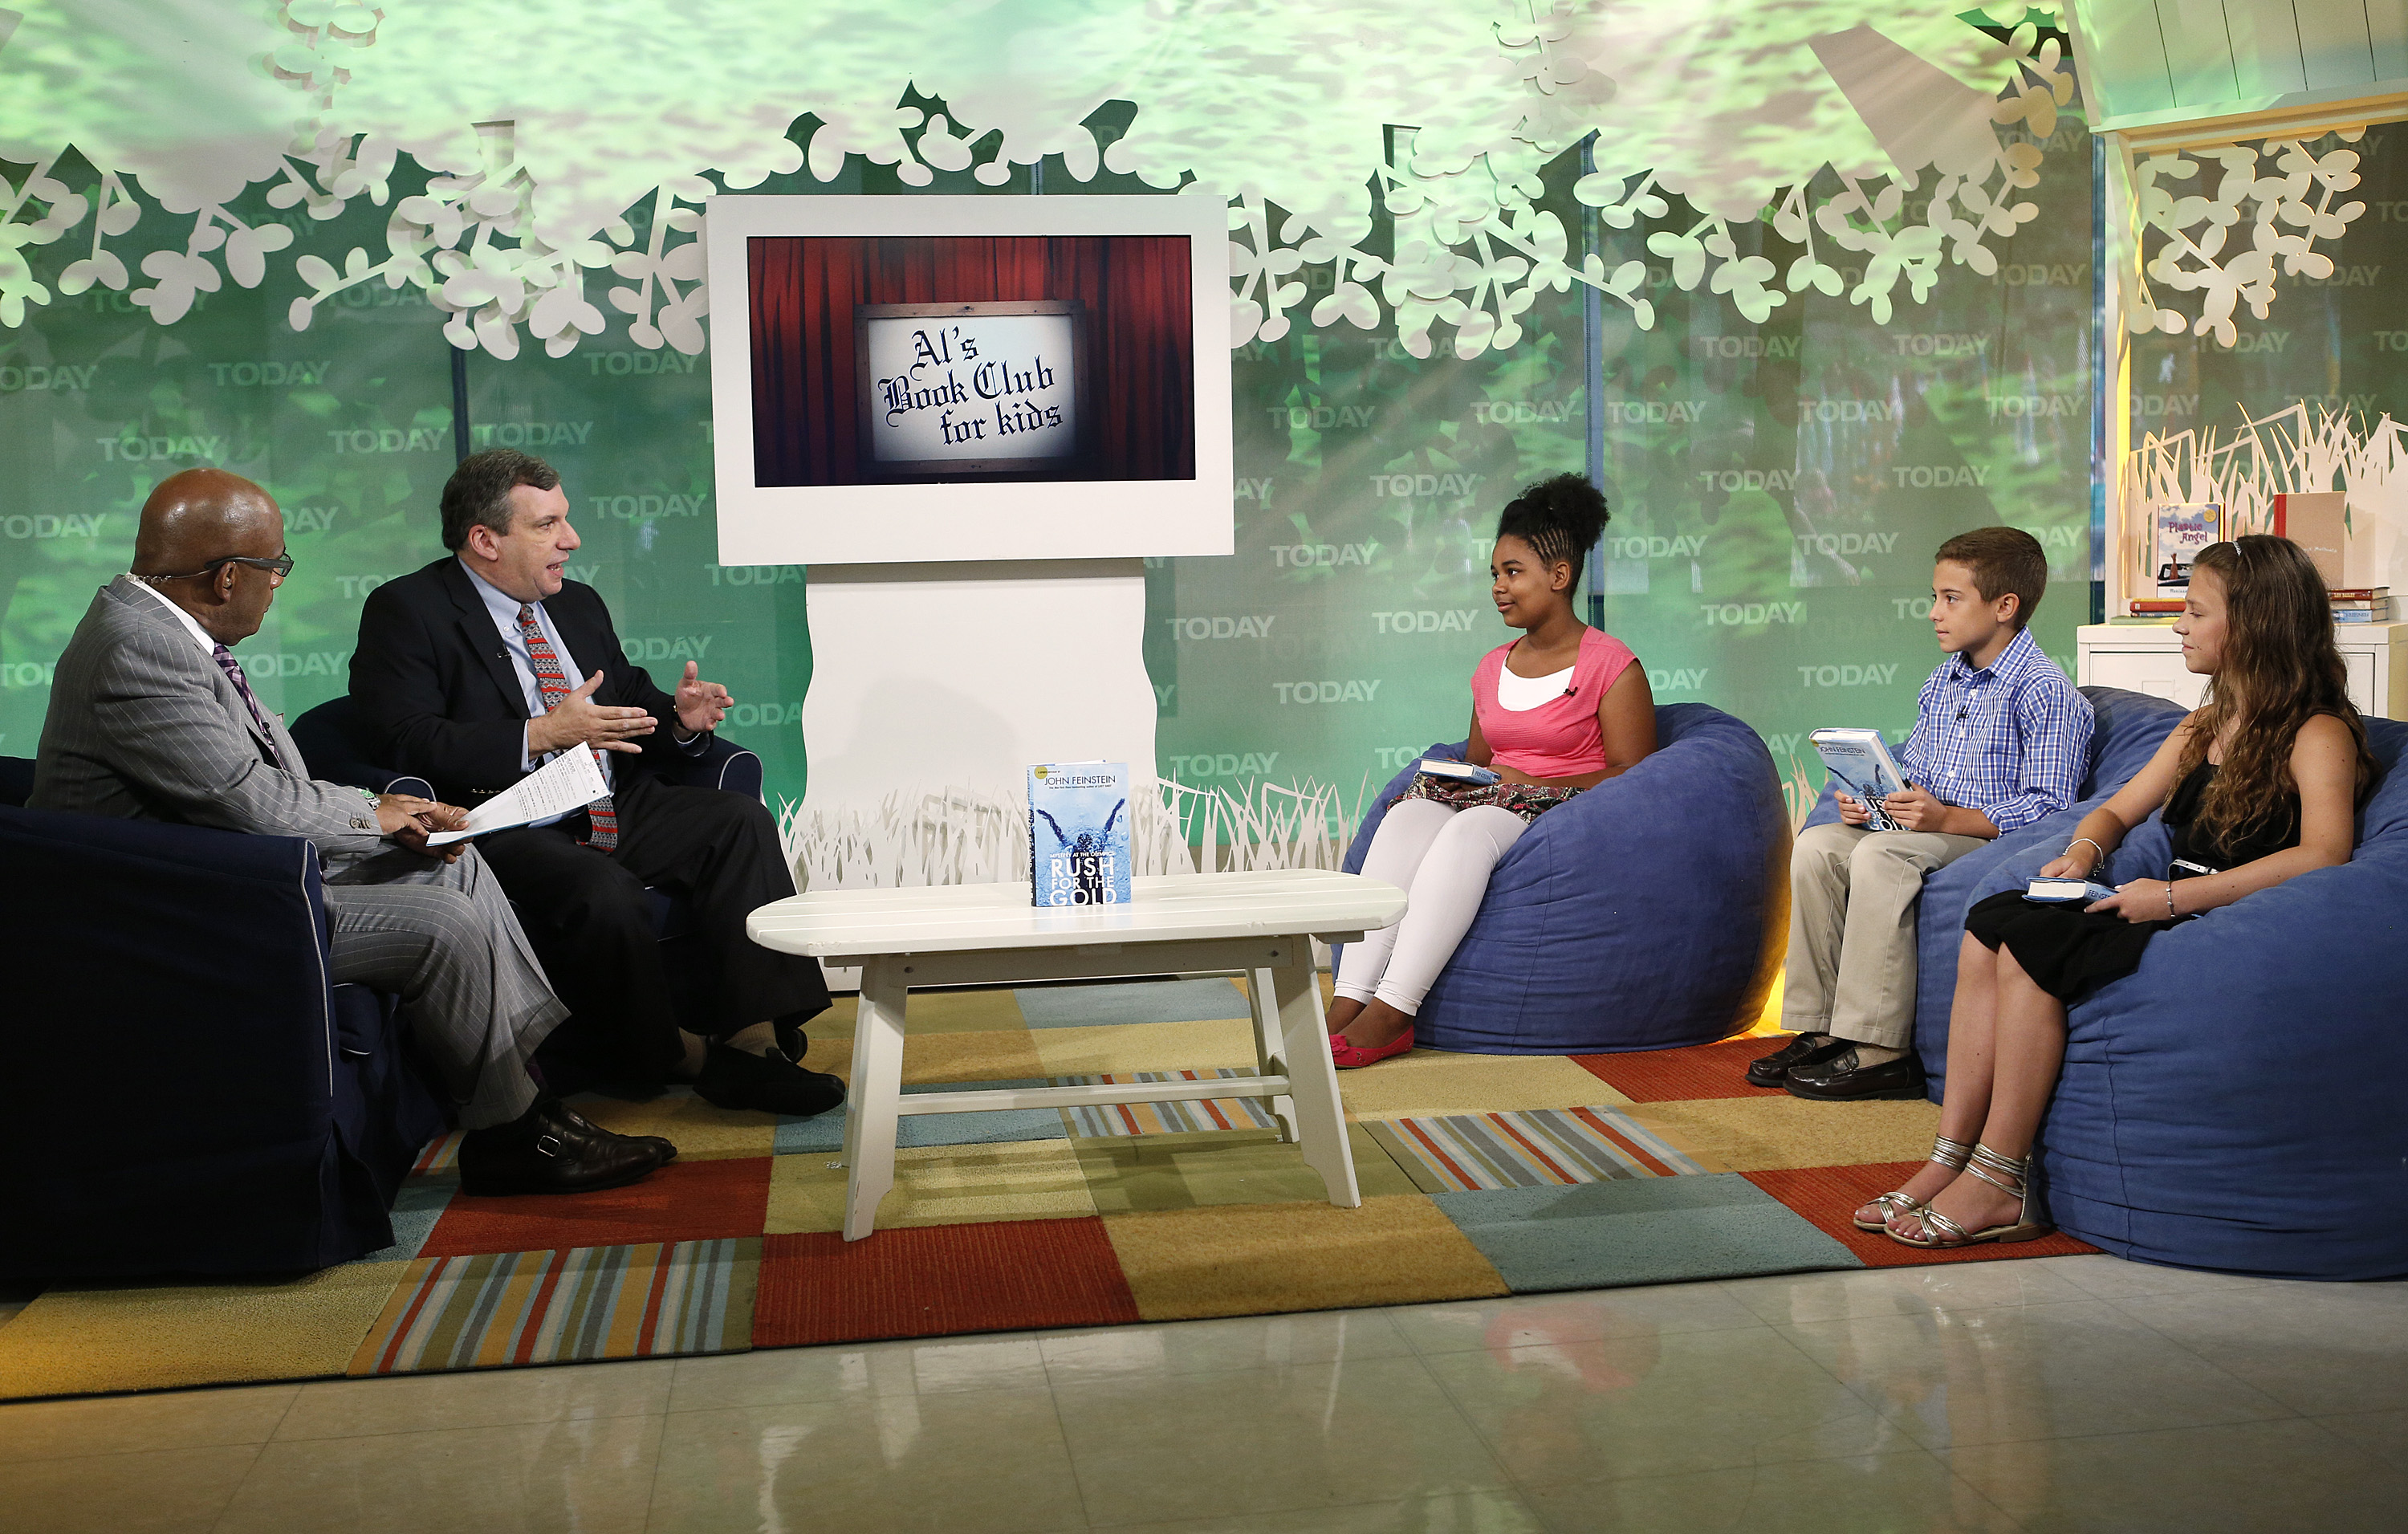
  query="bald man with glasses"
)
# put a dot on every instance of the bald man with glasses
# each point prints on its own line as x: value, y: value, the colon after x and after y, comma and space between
x: 151, y: 718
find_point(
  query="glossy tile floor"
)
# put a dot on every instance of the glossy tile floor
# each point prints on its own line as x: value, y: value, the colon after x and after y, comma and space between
x: 2076, y: 1392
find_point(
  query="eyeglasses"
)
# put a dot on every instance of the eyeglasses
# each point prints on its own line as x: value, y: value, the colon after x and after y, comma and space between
x: 281, y: 566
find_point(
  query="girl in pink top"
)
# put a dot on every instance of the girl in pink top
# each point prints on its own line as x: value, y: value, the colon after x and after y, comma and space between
x: 1561, y: 709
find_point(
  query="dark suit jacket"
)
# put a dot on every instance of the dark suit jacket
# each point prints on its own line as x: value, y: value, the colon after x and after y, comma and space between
x: 433, y: 679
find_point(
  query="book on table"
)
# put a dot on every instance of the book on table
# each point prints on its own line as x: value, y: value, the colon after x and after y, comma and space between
x: 2318, y: 520
x: 1079, y: 833
x: 1866, y: 771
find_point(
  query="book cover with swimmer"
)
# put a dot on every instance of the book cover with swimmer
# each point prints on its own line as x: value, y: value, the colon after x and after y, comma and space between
x: 1079, y: 833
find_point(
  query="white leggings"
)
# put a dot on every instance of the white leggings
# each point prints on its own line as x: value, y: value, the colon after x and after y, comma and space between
x: 1441, y: 858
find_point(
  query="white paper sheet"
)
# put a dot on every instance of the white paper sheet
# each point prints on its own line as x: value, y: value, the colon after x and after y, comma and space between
x: 570, y: 781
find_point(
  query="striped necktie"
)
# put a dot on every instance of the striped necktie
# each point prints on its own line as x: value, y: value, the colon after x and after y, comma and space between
x: 553, y: 684
x: 233, y: 669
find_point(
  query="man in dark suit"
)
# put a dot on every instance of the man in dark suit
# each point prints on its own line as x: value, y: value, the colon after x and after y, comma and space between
x: 151, y: 718
x: 470, y: 669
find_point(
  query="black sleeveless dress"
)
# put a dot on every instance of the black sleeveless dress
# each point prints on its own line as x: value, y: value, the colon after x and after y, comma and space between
x: 2069, y: 952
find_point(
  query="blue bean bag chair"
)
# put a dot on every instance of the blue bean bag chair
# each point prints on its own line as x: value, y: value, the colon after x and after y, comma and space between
x: 2131, y: 728
x: 2235, y: 1103
x: 1646, y: 913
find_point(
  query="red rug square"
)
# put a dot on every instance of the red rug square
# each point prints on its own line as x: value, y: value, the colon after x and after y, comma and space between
x: 1825, y: 1196
x: 683, y: 1202
x: 1006, y: 1275
x: 1680, y: 1075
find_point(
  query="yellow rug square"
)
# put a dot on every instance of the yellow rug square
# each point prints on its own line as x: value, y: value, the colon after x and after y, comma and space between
x: 1254, y: 1259
x: 1430, y: 1082
x: 935, y: 1186
x: 992, y: 1054
x: 1224, y: 1167
x: 699, y: 1131
x: 152, y: 1337
x: 1777, y: 1132
x: 978, y: 1010
x: 1118, y: 1048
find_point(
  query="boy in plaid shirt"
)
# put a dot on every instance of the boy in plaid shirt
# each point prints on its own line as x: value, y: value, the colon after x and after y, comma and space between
x: 2001, y: 739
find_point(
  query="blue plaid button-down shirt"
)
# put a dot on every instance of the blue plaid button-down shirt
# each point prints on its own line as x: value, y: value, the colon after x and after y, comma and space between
x: 2011, y: 740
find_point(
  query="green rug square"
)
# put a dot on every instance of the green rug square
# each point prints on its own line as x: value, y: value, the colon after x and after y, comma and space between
x: 1641, y: 1230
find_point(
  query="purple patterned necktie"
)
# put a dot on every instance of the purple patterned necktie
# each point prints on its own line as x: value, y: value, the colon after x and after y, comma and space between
x: 227, y: 664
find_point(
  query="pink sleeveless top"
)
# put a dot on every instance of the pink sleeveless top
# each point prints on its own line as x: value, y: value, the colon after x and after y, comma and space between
x: 1558, y: 739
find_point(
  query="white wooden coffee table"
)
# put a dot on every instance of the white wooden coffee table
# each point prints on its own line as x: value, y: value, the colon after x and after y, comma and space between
x: 1260, y: 923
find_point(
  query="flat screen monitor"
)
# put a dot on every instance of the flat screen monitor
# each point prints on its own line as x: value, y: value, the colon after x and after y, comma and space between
x: 932, y: 378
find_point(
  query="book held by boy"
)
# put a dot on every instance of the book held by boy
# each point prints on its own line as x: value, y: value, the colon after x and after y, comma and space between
x: 1860, y: 761
x: 1078, y: 834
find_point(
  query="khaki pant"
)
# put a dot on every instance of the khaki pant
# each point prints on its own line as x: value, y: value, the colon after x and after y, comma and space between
x: 1851, y: 908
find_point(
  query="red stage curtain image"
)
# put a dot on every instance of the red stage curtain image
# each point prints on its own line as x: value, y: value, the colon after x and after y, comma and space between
x: 1140, y: 345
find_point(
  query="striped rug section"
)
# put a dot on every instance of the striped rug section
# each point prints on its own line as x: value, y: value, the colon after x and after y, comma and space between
x: 572, y: 1306
x: 441, y: 1155
x: 1472, y: 1153
x: 1167, y: 1118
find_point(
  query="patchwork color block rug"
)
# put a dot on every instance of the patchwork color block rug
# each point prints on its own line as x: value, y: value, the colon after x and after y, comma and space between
x: 1482, y: 1175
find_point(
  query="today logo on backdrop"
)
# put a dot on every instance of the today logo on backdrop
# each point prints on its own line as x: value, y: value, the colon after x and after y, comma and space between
x: 1422, y: 486
x: 1256, y: 491
x: 1255, y: 626
x: 645, y: 508
x: 739, y: 575
x: 1308, y: 556
x: 1352, y: 690
x: 1224, y: 764
x: 28, y: 377
x: 18, y: 526
x: 1925, y: 343
x: 269, y: 374
x: 638, y: 364
x: 125, y: 448
x: 1847, y: 675
x: 1322, y: 418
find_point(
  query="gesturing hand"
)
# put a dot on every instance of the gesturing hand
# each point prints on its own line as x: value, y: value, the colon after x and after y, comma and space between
x: 577, y: 719
x: 700, y: 705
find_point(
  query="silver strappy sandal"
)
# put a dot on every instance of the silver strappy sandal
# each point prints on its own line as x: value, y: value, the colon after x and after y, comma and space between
x: 1935, y: 1232
x: 1950, y: 1154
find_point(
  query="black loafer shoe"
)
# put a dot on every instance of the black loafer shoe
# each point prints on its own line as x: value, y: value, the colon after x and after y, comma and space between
x: 1805, y: 1049
x: 768, y: 1083
x: 562, y: 1116
x: 535, y: 1155
x: 1840, y: 1079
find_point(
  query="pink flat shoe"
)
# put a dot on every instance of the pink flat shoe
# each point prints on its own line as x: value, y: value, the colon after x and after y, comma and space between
x: 1355, y: 1056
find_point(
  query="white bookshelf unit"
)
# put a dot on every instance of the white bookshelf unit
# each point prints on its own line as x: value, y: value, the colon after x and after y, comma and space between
x: 2147, y: 658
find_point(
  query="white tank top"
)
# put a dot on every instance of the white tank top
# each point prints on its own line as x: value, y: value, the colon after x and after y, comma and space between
x: 1520, y: 694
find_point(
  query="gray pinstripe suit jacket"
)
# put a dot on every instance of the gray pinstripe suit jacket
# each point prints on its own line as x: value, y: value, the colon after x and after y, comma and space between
x: 143, y: 726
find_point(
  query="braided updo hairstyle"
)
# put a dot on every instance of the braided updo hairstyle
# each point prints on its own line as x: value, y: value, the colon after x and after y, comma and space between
x: 1560, y: 519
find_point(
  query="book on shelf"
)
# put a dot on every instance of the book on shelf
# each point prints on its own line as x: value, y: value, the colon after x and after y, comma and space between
x: 2376, y: 613
x: 2157, y: 607
x: 2316, y: 521
x: 2144, y: 620
x: 2178, y: 534
x: 1079, y: 833
x: 2357, y: 594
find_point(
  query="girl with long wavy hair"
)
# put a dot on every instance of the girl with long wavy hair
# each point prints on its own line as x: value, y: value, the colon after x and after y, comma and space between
x: 2259, y: 785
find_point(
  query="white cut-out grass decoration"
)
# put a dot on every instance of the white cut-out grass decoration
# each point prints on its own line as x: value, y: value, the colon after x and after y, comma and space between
x: 919, y: 837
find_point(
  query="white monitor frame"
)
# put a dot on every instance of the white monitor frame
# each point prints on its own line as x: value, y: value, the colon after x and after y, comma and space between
x: 887, y: 524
